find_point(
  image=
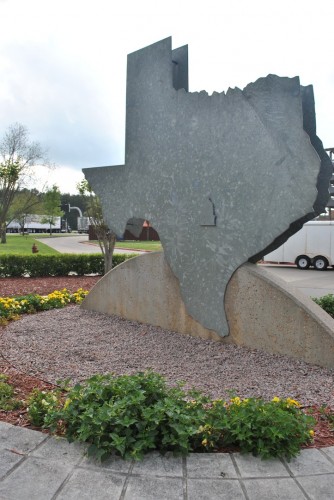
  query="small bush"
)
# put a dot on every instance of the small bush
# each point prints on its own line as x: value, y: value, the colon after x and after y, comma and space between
x: 268, y: 429
x: 327, y: 414
x: 130, y: 415
x: 133, y: 414
x: 8, y: 401
x: 326, y: 302
x: 55, y: 265
x: 40, y: 403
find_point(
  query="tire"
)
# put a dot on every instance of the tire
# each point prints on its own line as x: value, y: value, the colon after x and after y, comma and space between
x: 320, y: 263
x: 303, y: 262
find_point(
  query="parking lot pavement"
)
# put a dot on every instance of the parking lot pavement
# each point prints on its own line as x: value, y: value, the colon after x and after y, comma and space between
x: 309, y: 281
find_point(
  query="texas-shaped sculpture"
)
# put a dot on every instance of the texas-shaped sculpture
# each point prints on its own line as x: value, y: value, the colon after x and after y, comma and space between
x: 224, y: 178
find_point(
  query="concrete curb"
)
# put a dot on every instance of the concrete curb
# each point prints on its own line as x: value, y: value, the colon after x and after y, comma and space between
x: 36, y: 466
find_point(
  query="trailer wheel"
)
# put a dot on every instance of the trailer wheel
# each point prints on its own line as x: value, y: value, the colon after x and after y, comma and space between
x: 303, y: 262
x: 320, y: 263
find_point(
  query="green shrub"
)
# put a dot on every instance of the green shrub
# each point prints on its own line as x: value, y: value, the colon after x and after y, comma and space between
x: 7, y: 397
x: 326, y: 302
x: 55, y: 265
x: 268, y: 429
x: 130, y: 415
x: 40, y: 403
x: 133, y: 414
x: 327, y: 414
x: 13, y: 266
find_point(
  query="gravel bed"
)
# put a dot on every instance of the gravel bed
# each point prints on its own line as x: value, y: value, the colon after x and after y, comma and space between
x: 74, y: 343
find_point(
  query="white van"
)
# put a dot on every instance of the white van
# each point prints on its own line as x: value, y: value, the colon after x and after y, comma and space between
x: 313, y: 245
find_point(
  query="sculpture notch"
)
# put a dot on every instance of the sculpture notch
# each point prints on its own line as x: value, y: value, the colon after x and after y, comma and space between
x: 222, y: 178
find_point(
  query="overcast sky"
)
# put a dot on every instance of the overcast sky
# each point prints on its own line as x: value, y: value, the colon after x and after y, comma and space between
x: 63, y: 63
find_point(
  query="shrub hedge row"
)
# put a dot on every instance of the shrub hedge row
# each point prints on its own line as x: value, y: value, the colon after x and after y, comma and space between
x: 15, y: 266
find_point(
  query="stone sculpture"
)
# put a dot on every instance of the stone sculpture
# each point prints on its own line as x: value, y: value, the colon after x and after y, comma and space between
x: 224, y: 178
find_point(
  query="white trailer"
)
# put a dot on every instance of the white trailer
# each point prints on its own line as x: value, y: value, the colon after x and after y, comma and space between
x: 83, y: 224
x: 33, y: 224
x: 313, y: 246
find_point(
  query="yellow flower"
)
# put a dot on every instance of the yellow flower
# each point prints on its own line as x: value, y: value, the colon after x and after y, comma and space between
x: 67, y: 402
x: 204, y: 442
x: 276, y: 399
x: 293, y: 402
x: 236, y: 400
x: 311, y: 433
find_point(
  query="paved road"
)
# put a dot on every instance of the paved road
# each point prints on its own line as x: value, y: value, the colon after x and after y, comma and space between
x: 74, y: 244
x: 311, y: 282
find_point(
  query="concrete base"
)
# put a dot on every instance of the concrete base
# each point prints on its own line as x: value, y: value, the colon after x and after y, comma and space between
x: 144, y: 289
x: 262, y: 310
x: 267, y: 313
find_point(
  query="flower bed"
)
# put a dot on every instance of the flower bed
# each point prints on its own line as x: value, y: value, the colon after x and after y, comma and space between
x: 131, y: 415
x: 12, y: 307
x: 24, y: 383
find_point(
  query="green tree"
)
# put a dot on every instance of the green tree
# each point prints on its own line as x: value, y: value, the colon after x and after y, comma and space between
x: 25, y: 203
x: 51, y: 207
x: 105, y: 236
x: 18, y: 156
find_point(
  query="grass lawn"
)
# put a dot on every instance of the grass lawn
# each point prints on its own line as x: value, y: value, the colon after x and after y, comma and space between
x: 18, y: 244
x: 152, y: 246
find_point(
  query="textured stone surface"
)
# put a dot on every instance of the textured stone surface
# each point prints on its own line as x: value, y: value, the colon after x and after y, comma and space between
x: 310, y: 461
x: 93, y: 485
x: 221, y: 178
x: 316, y: 487
x: 213, y: 489
x: 20, y: 439
x: 254, y: 467
x: 197, y: 476
x: 155, y: 464
x: 210, y: 465
x: 275, y: 489
x: 35, y: 479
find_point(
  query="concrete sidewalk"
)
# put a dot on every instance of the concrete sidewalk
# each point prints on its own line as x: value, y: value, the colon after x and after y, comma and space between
x: 36, y: 466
